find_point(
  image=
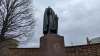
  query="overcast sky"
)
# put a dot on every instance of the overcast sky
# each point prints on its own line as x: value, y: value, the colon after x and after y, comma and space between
x: 78, y: 19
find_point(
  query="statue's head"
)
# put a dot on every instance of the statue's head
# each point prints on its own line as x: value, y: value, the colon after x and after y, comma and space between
x: 49, y: 11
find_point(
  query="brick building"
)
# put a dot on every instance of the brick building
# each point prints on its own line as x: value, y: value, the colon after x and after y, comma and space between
x: 49, y: 43
x: 82, y: 50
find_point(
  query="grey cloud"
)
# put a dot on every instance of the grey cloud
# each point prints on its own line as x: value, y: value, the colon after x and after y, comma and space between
x: 81, y: 21
x: 77, y: 19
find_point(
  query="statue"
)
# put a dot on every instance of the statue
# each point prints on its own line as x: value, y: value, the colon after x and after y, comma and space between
x: 50, y: 24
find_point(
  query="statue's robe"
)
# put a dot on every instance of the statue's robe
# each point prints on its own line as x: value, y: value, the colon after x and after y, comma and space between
x: 45, y: 23
x: 50, y: 24
x: 54, y: 25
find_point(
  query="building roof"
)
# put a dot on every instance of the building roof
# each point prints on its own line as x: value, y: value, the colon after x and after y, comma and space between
x: 95, y: 40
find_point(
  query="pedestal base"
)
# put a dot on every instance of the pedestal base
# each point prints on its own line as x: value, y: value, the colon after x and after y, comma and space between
x: 52, y: 45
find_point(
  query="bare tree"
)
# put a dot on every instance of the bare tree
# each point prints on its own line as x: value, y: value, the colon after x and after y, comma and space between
x: 16, y: 18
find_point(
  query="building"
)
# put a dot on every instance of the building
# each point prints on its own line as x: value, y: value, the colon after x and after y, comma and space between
x: 95, y: 40
x: 56, y: 44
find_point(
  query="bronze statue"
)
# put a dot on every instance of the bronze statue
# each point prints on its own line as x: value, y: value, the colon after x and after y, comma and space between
x: 50, y: 24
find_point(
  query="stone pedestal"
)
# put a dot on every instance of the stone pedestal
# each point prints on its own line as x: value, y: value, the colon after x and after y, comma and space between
x: 52, y: 45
